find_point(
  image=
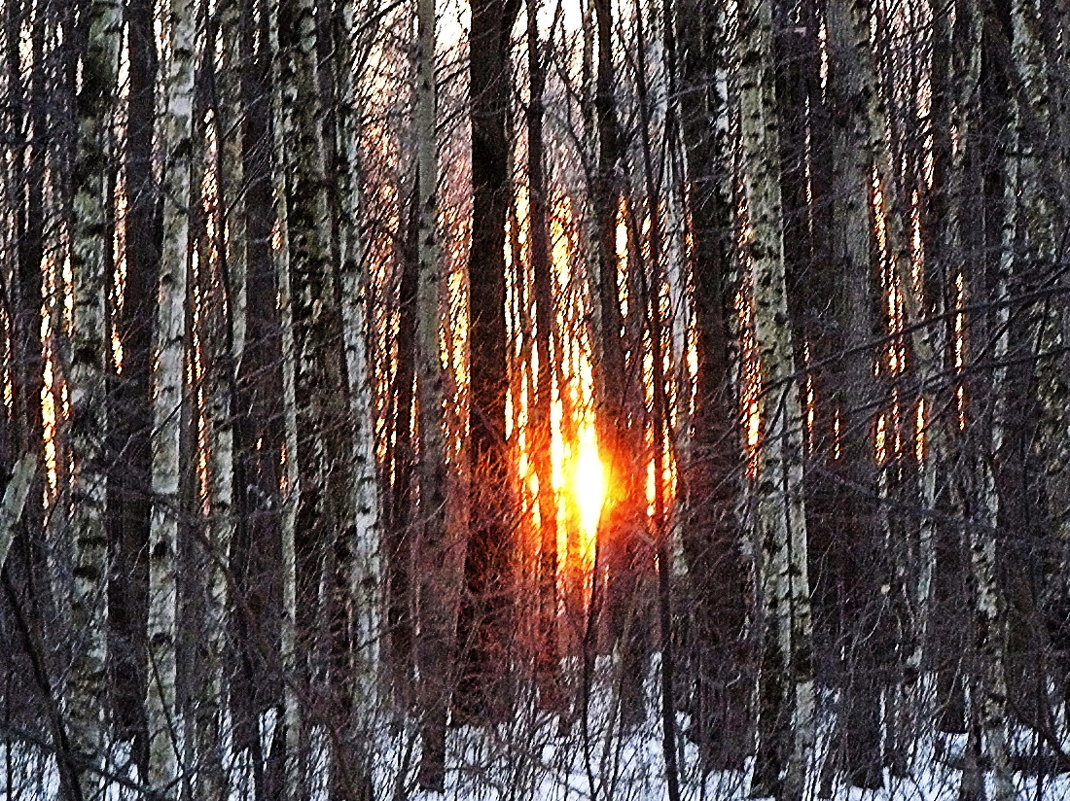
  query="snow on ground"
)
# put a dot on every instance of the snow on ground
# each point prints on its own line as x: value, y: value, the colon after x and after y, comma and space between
x: 535, y: 758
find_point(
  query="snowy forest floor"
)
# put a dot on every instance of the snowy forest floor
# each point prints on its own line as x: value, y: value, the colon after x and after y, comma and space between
x: 535, y: 758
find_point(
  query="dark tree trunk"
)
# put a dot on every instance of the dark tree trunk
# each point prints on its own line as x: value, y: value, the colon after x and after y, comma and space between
x: 805, y: 159
x: 620, y: 533
x: 547, y: 655
x: 400, y: 525
x: 129, y: 497
x: 486, y: 609
x: 256, y: 555
x: 711, y: 475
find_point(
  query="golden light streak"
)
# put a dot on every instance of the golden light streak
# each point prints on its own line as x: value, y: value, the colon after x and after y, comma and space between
x: 53, y: 402
x: 50, y: 421
x: 917, y: 250
x: 920, y: 438
x: 9, y: 387
x: 809, y: 397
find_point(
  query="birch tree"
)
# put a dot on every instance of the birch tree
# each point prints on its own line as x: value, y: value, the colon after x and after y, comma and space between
x: 324, y: 441
x: 164, y: 723
x: 366, y: 577
x: 294, y: 778
x: 90, y: 244
x: 434, y: 590
x: 14, y: 501
x: 786, y: 687
x: 363, y: 573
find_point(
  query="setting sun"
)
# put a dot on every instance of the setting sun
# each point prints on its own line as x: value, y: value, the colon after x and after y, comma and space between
x: 589, y: 485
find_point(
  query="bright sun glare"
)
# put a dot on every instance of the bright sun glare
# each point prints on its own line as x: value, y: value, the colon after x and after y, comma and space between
x: 589, y: 484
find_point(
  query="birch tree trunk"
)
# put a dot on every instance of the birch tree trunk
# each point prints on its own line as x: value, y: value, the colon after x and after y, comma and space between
x: 435, y: 593
x: 163, y: 717
x: 364, y: 571
x: 90, y: 246
x: 1043, y: 228
x: 366, y: 579
x: 949, y: 623
x: 26, y: 86
x: 787, y: 681
x: 14, y: 501
x: 989, y: 603
x: 294, y: 776
x: 324, y: 440
x: 1025, y: 240
x: 213, y: 706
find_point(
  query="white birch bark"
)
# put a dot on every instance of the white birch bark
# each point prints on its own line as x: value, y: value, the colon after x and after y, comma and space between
x: 164, y: 724
x: 90, y: 243
x: 1026, y: 230
x: 232, y: 197
x: 221, y: 527
x: 14, y: 501
x: 434, y: 599
x: 989, y: 603
x: 781, y: 512
x: 294, y: 778
x: 1042, y: 218
x: 365, y: 574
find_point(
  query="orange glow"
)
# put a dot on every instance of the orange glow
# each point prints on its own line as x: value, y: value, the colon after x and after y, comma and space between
x: 588, y: 485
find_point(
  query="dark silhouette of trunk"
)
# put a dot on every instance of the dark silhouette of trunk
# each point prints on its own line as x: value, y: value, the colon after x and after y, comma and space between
x: 962, y: 234
x: 486, y: 606
x: 129, y: 496
x: 400, y: 525
x: 22, y: 434
x: 711, y: 474
x: 854, y: 394
x: 620, y: 531
x: 256, y: 554
x: 650, y: 278
x: 805, y: 163
x: 547, y: 655
x: 31, y: 136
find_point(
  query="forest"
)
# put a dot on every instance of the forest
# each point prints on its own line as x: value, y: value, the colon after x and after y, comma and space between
x: 534, y: 400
